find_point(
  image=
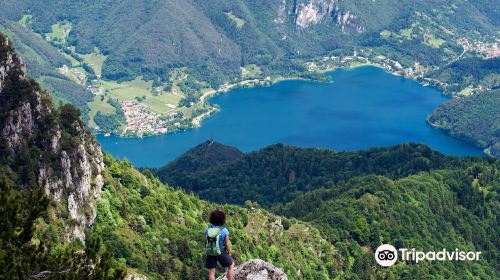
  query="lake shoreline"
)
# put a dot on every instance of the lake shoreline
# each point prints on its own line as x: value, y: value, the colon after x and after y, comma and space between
x: 341, y: 115
x: 197, y: 121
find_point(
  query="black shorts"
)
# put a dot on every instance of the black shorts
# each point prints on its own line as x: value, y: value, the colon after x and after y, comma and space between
x: 225, y: 260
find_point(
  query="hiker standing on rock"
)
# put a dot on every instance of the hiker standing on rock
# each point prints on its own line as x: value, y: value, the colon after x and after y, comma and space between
x: 218, y: 246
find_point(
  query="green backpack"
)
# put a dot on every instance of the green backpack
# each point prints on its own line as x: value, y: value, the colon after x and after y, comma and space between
x: 212, y: 247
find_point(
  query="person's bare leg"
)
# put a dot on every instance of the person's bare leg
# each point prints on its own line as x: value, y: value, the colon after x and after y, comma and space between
x: 230, y: 272
x: 211, y: 274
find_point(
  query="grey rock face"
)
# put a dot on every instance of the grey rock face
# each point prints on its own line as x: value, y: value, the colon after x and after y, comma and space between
x: 307, y: 13
x: 257, y: 270
x: 71, y: 176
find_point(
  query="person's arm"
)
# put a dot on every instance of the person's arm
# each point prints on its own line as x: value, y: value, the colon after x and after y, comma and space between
x: 227, y: 243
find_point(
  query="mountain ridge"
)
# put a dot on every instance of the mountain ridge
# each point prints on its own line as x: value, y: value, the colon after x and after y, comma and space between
x: 287, y: 171
x: 275, y: 29
x: 406, y: 195
x: 27, y: 121
x: 71, y: 212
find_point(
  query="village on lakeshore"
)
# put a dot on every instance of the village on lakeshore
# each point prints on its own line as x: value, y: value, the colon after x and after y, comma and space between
x: 156, y: 109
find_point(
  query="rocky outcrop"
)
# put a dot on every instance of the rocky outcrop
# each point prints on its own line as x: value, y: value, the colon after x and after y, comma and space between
x: 307, y: 13
x: 314, y: 12
x: 348, y: 21
x: 66, y: 161
x: 75, y: 181
x: 256, y: 270
x: 135, y: 276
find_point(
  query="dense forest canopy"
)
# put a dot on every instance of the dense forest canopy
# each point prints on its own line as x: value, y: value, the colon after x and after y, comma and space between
x: 474, y: 119
x: 407, y: 195
x: 471, y: 71
x: 451, y: 208
x: 279, y: 173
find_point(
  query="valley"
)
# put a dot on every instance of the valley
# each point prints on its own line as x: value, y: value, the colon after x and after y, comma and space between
x: 329, y: 135
x: 340, y: 115
x: 171, y: 97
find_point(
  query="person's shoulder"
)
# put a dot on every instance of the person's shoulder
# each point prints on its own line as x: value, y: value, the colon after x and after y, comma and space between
x: 225, y: 230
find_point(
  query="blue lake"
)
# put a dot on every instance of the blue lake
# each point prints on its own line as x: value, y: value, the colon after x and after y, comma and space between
x: 362, y: 108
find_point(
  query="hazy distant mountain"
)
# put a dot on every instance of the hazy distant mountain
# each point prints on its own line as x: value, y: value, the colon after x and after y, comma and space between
x: 215, y: 38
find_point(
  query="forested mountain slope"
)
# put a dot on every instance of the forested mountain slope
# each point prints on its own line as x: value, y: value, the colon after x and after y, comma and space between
x: 408, y: 196
x: 68, y: 212
x: 50, y: 178
x: 429, y: 211
x: 43, y: 59
x: 215, y: 38
x: 158, y: 231
x: 279, y: 173
x: 471, y: 72
x: 475, y: 119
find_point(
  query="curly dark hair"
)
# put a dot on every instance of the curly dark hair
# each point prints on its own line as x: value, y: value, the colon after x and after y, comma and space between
x: 217, y: 217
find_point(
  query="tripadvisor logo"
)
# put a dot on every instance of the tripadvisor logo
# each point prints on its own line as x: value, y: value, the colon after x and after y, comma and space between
x: 386, y: 255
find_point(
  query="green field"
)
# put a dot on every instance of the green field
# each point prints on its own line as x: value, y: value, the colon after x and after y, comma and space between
x: 238, y: 21
x: 157, y: 99
x: 95, y: 60
x: 250, y: 71
x: 407, y: 33
x: 26, y: 21
x: 99, y: 106
x: 386, y: 34
x: 162, y: 103
x: 59, y: 32
x: 435, y: 42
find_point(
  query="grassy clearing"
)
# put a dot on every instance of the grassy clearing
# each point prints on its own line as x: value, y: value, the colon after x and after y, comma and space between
x: 385, y: 34
x: 164, y: 103
x: 74, y: 62
x: 95, y: 60
x: 161, y: 103
x: 60, y: 32
x: 435, y: 42
x: 26, y: 21
x: 407, y: 33
x: 125, y: 91
x: 466, y: 91
x: 99, y: 106
x: 356, y: 63
x: 237, y: 21
x: 250, y: 71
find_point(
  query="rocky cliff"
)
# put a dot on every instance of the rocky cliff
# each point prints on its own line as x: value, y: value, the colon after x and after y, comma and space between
x: 48, y: 146
x: 256, y: 270
x: 307, y: 13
